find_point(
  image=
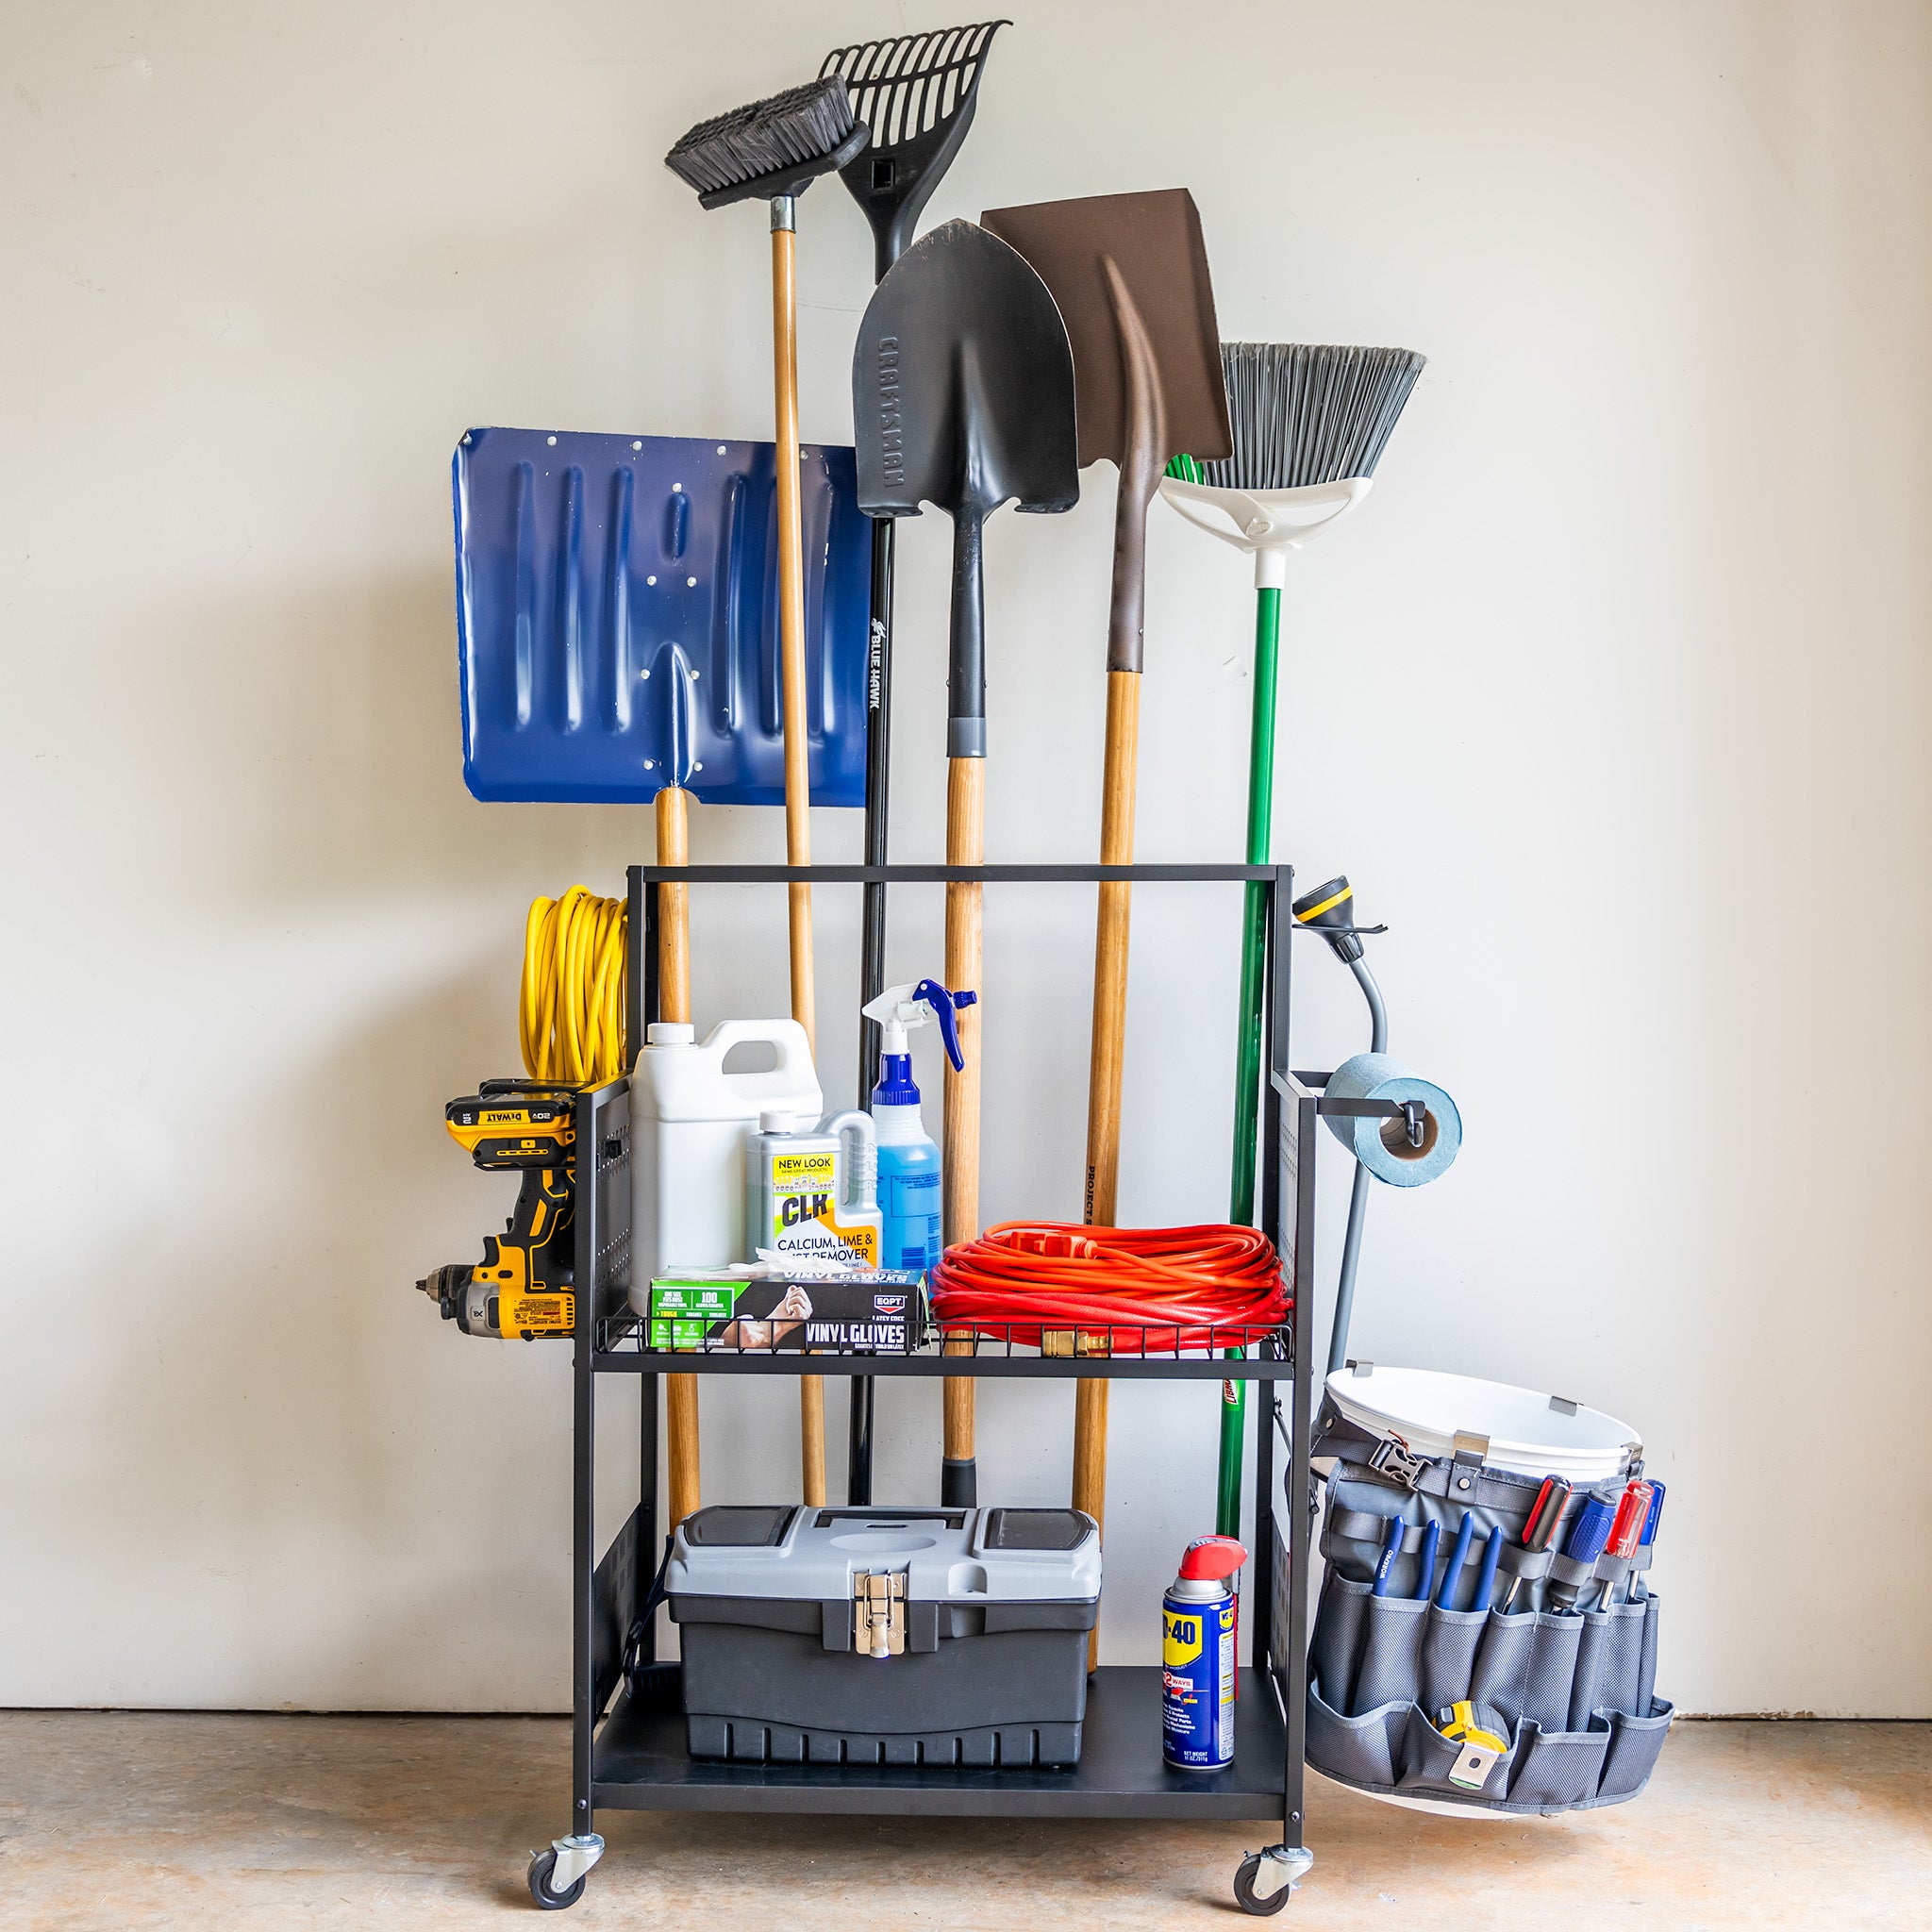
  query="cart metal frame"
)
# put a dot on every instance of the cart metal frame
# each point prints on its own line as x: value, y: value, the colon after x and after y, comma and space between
x: 629, y: 1747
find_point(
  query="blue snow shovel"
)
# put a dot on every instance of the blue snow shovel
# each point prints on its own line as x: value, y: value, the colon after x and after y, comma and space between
x: 579, y: 558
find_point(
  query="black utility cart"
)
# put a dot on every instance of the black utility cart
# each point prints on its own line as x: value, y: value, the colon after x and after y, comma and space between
x: 628, y: 1748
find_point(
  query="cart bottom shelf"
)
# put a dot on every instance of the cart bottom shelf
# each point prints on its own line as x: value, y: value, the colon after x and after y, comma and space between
x: 640, y: 1764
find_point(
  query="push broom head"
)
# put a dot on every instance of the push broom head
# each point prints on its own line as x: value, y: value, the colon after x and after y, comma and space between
x: 1305, y: 414
x: 772, y: 148
x: 1309, y: 424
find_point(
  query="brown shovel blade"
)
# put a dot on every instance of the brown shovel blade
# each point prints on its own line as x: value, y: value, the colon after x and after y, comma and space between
x: 1155, y: 242
x: 1129, y: 272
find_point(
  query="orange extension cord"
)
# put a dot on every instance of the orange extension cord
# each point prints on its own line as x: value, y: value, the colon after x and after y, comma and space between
x: 1132, y: 1291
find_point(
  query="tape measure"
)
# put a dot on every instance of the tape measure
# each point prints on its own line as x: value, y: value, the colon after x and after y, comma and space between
x: 1481, y: 1749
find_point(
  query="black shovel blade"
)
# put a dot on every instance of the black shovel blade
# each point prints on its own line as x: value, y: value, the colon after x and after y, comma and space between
x: 962, y: 384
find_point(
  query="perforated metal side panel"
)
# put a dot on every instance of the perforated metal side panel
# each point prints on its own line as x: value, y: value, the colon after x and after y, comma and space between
x: 603, y: 1182
x: 1278, y: 1596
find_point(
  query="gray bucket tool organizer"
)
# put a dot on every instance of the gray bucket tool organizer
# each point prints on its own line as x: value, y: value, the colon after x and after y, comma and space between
x: 1574, y: 1694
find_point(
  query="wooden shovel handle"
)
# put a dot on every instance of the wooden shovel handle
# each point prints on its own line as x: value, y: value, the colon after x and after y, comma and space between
x: 1111, y: 949
x: 1145, y: 423
x: 811, y: 1389
x: 965, y: 845
x: 1108, y: 1058
x: 674, y: 1003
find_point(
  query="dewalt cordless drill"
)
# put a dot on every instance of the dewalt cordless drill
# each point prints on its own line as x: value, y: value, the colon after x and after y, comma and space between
x: 523, y: 1286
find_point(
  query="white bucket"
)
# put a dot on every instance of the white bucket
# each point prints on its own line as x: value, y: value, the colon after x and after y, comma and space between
x: 1526, y: 1433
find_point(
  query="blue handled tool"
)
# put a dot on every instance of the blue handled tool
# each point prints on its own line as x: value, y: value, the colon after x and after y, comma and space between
x: 1639, y: 1590
x: 1584, y: 1543
x: 1485, y: 1576
x: 1392, y: 1549
x: 1452, y: 1570
x: 1425, y: 1561
x: 1544, y: 1515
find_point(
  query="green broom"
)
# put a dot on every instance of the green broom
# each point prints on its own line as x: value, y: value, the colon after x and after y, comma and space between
x: 1309, y: 425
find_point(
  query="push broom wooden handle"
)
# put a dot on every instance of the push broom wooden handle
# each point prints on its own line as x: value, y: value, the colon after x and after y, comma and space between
x: 811, y: 1389
x: 965, y: 845
x: 674, y: 1003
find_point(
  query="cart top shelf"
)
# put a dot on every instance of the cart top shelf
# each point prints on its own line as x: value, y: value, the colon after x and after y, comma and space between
x: 1265, y: 1357
x: 1152, y: 874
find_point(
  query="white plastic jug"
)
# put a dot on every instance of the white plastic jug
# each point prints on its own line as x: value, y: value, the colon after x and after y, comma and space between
x: 690, y: 1121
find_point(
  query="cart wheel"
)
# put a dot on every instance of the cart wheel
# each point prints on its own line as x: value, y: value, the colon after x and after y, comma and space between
x: 542, y: 1865
x: 1245, y: 1896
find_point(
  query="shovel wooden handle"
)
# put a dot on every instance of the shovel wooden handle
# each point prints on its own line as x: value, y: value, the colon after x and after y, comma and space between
x: 965, y: 845
x: 1104, y: 1070
x: 674, y: 1003
x: 811, y: 1389
x: 1144, y: 427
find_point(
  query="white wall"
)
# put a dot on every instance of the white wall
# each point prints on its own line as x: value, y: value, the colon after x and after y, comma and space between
x: 1613, y: 701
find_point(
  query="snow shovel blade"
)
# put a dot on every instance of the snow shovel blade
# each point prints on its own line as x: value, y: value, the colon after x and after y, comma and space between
x: 595, y: 572
x: 962, y: 396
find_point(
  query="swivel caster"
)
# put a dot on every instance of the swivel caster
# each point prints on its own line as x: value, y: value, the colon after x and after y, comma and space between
x: 1265, y: 1880
x: 557, y: 1875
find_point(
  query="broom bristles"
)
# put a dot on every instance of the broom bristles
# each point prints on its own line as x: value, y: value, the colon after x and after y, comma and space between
x: 793, y: 129
x: 1306, y: 413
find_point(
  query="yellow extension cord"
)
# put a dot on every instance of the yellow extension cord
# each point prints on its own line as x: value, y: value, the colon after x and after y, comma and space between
x: 571, y: 1014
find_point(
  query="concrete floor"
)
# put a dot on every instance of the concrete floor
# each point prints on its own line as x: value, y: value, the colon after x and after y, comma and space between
x: 200, y: 1822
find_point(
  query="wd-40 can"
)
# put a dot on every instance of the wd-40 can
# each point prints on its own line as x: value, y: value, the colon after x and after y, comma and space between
x: 1197, y: 1657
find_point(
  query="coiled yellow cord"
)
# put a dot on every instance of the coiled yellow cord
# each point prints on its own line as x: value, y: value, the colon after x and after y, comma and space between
x: 571, y: 1014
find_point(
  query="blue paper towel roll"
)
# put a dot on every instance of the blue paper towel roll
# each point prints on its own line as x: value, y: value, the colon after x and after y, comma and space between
x: 1382, y: 1145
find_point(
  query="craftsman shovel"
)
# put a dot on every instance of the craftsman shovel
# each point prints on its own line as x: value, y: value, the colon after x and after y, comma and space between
x: 916, y: 92
x: 1129, y: 272
x: 962, y: 396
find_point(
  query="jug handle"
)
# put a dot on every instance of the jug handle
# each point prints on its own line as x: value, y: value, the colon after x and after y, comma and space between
x: 787, y: 1037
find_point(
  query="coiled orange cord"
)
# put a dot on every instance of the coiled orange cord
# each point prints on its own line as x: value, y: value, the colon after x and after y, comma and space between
x: 1130, y: 1291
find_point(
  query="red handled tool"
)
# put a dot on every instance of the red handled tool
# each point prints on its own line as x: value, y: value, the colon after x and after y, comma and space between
x: 1626, y: 1531
x: 1544, y: 1515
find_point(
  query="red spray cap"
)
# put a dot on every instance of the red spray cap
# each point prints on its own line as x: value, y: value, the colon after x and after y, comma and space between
x: 1209, y: 1557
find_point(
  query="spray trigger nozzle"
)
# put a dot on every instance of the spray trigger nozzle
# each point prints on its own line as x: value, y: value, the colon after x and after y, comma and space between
x: 913, y: 1005
x: 944, y: 1006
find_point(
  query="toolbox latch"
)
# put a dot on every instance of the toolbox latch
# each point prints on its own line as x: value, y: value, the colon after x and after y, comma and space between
x: 878, y: 1612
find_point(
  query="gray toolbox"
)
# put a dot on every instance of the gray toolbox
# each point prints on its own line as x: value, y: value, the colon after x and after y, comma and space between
x: 870, y: 1636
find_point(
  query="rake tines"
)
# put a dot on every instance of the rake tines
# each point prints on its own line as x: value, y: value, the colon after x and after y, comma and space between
x: 904, y: 88
x: 916, y: 93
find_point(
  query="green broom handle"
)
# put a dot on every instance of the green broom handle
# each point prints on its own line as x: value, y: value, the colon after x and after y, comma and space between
x: 1247, y: 1089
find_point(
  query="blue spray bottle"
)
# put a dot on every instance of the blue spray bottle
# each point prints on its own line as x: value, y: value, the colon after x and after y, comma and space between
x: 909, y: 1196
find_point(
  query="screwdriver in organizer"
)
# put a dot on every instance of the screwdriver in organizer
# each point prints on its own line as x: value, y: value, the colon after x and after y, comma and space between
x: 1544, y: 1515
x: 1585, y: 1544
x: 1627, y: 1532
x: 1639, y: 1589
